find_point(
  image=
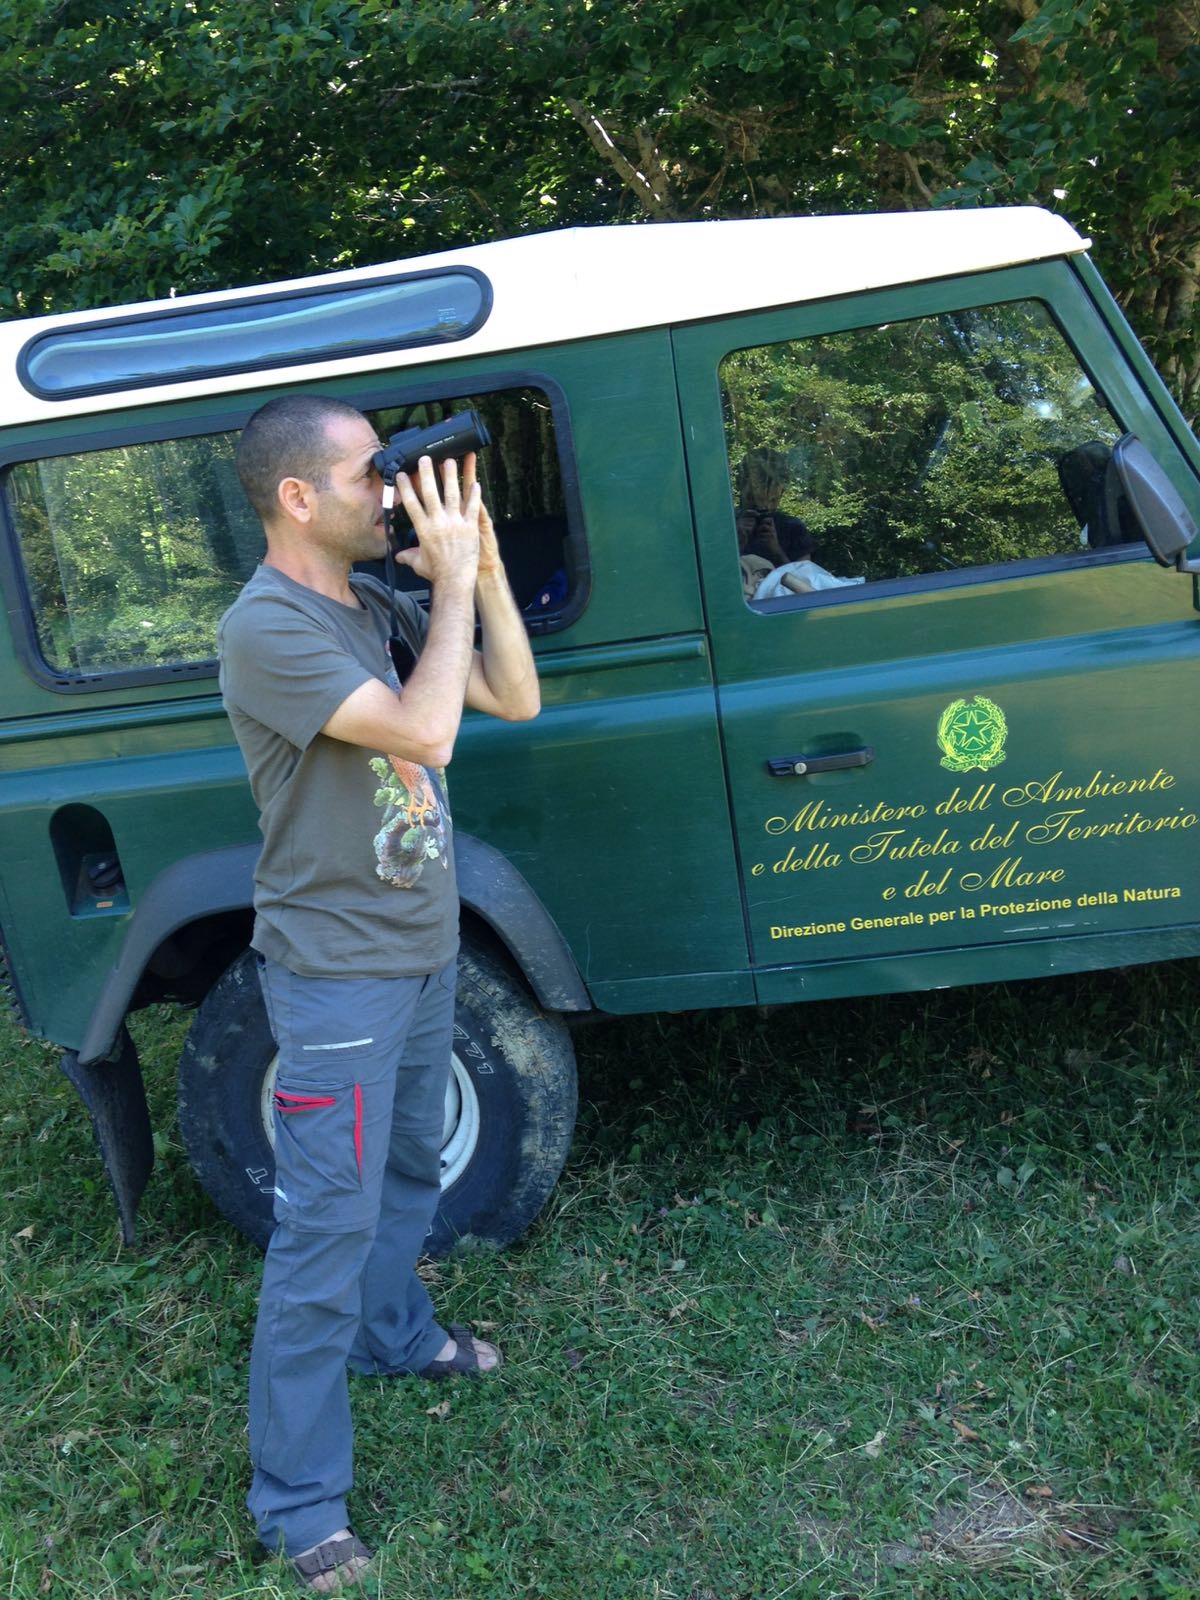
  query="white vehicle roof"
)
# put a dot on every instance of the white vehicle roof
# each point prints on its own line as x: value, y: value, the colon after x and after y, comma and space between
x: 579, y: 283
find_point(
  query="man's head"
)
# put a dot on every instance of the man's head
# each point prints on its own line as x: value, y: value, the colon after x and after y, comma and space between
x: 762, y: 476
x: 305, y: 462
x: 292, y: 436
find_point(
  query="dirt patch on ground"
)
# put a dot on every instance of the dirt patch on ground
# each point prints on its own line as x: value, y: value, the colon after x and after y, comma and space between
x: 989, y: 1524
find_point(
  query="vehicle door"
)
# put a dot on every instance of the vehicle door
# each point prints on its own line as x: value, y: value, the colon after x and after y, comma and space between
x: 957, y: 697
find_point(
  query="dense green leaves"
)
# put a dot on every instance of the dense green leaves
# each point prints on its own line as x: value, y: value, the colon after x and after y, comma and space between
x: 184, y: 144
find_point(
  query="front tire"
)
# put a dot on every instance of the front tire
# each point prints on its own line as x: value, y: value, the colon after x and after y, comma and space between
x: 510, y: 1105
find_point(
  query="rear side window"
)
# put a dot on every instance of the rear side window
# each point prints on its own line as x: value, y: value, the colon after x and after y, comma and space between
x: 130, y: 555
x: 968, y: 439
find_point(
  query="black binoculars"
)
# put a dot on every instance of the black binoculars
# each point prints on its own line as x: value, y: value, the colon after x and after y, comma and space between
x: 455, y: 436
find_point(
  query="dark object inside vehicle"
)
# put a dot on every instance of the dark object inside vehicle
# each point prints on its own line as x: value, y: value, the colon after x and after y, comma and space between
x: 1093, y: 490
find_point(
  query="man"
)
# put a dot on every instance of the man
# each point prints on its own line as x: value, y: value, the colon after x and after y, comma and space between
x: 356, y: 927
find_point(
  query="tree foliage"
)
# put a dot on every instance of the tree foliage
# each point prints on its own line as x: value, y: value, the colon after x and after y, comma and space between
x: 187, y: 144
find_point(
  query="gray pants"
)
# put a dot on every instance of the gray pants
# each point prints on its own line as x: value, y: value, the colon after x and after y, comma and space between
x: 359, y: 1104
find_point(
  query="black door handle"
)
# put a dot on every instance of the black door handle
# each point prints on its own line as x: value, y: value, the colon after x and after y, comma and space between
x: 800, y: 766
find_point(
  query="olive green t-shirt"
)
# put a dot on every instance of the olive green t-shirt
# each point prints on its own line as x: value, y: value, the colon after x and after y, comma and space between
x: 356, y: 874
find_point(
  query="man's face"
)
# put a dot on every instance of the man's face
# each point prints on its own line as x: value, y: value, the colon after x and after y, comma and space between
x: 349, y: 520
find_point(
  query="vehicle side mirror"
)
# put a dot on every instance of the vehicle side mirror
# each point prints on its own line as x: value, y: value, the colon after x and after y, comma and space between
x: 1162, y: 518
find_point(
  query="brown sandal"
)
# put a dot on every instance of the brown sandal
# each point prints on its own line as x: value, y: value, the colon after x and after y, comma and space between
x: 332, y: 1559
x: 465, y: 1358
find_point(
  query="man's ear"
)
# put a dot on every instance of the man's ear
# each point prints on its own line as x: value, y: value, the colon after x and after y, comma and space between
x: 297, y: 499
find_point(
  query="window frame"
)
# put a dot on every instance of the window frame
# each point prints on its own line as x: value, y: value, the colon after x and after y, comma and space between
x: 229, y: 414
x: 1128, y: 405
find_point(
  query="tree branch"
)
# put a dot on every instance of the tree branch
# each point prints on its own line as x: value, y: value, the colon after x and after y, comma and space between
x: 908, y: 162
x: 652, y: 162
x: 446, y: 83
x: 650, y: 196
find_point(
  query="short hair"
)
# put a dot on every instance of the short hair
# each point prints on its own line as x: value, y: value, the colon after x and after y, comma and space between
x: 288, y: 438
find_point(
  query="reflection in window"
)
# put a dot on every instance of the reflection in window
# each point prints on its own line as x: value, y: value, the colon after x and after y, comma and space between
x: 132, y: 554
x: 522, y: 486
x: 953, y: 441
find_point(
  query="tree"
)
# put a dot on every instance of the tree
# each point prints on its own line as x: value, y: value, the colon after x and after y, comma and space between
x: 193, y: 143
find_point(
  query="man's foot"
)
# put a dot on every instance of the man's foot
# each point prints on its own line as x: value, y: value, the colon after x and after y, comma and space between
x: 335, y: 1563
x: 486, y: 1355
x: 462, y: 1352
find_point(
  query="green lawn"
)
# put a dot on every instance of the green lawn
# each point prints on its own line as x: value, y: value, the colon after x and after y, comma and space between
x: 884, y: 1297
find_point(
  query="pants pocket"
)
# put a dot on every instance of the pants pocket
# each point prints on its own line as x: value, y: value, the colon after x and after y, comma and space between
x: 260, y: 967
x: 319, y: 1155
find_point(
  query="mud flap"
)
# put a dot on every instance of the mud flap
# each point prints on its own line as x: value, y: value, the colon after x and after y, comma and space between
x: 115, y: 1097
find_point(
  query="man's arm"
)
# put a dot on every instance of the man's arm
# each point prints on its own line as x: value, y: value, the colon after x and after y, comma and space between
x: 503, y: 680
x: 421, y: 724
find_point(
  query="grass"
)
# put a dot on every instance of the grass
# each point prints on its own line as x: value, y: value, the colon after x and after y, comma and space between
x: 883, y: 1297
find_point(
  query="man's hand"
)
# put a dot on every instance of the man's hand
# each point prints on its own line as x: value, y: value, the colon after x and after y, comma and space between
x: 448, y: 530
x: 489, y: 551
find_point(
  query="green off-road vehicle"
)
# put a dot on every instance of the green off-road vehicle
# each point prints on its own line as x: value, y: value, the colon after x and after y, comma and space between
x: 840, y: 541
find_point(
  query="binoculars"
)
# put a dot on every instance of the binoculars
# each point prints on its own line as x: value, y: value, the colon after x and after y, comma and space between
x: 456, y: 436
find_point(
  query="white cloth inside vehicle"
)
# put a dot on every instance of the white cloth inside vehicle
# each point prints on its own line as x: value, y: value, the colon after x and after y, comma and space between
x: 773, y: 586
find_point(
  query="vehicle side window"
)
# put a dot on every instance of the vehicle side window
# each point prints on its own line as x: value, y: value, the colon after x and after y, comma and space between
x: 131, y: 554
x: 954, y: 441
x: 523, y: 487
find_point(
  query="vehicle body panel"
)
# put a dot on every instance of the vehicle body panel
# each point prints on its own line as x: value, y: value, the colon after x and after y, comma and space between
x: 1093, y: 661
x: 638, y: 808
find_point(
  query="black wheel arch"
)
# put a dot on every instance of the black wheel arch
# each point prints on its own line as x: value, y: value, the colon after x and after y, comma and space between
x: 216, y: 882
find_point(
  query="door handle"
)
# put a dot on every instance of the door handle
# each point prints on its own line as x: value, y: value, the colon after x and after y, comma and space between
x: 800, y: 766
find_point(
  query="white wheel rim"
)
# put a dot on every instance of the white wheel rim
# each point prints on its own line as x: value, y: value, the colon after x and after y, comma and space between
x: 460, y: 1119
